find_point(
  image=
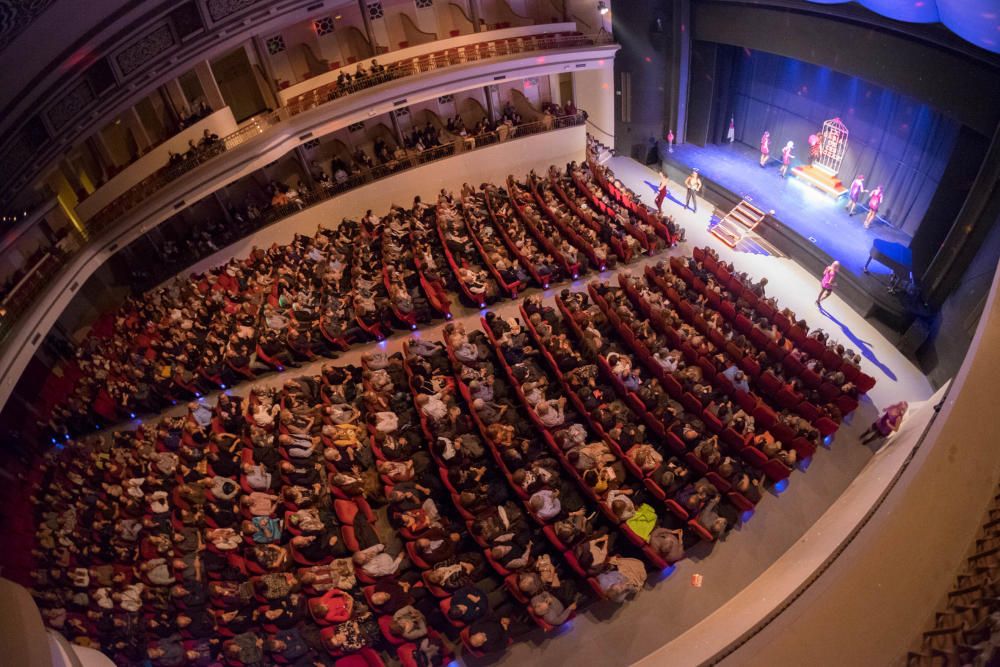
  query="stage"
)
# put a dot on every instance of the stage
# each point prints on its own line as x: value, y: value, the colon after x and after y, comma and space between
x: 808, y: 225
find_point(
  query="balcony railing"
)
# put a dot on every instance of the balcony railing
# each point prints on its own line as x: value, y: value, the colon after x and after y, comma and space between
x: 20, y: 300
x: 328, y: 93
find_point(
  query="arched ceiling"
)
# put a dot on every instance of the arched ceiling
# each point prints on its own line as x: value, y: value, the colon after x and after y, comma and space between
x: 976, y: 21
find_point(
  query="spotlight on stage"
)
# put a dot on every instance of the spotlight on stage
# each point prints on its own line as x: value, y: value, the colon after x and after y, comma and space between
x: 602, y: 8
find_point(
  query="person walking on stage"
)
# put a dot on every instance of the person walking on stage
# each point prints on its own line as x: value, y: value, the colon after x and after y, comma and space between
x: 786, y: 157
x: 765, y: 148
x: 854, y: 194
x: 693, y: 185
x: 661, y: 193
x: 829, y: 281
x: 874, y: 201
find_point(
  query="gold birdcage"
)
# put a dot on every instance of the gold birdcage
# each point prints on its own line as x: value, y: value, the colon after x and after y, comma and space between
x: 833, y: 146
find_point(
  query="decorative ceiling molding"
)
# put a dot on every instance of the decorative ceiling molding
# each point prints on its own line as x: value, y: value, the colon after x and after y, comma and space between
x: 16, y: 16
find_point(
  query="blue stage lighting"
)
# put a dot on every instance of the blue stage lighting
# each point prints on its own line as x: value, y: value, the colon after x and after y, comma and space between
x: 746, y: 516
x: 828, y: 440
x: 805, y: 463
x: 413, y: 327
x: 666, y: 572
x: 222, y: 387
x: 781, y: 485
x: 447, y: 316
x: 575, y: 276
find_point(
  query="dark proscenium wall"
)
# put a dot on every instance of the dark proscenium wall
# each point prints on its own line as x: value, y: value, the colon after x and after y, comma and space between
x: 643, y: 28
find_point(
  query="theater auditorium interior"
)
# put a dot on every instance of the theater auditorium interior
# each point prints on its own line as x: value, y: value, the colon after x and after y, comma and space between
x: 499, y: 332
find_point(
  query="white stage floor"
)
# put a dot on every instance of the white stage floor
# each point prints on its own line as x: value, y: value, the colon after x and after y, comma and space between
x: 612, y: 636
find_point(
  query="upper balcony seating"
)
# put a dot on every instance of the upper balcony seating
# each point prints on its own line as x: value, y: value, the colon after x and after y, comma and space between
x: 491, y: 47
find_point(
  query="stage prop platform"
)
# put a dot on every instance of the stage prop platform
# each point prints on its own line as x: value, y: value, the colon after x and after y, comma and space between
x: 820, y: 179
x: 802, y: 223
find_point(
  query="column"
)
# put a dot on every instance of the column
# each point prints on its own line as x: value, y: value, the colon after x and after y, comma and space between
x: 396, y: 128
x: 178, y: 100
x: 369, y: 31
x: 256, y: 54
x: 134, y: 123
x: 203, y: 70
x: 490, y: 106
x: 300, y: 153
x: 99, y: 150
x: 474, y: 11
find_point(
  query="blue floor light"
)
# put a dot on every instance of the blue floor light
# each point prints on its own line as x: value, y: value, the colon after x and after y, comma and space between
x: 781, y: 485
x: 828, y: 440
x: 746, y: 516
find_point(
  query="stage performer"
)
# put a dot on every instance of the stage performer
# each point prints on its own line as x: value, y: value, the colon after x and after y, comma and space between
x: 829, y: 281
x: 815, y: 146
x: 786, y: 157
x: 874, y: 201
x: 693, y: 185
x: 854, y: 194
x: 661, y: 193
x: 765, y: 148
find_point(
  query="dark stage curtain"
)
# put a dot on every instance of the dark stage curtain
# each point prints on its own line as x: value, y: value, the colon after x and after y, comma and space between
x: 894, y: 141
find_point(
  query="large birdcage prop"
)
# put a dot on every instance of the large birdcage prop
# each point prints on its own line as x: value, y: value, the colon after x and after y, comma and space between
x: 833, y: 146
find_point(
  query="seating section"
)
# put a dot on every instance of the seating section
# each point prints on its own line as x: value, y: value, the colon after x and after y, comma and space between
x: 965, y: 631
x: 286, y: 305
x: 444, y: 500
x: 448, y: 499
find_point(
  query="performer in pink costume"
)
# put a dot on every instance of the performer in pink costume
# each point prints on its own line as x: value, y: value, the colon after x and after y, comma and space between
x: 874, y: 201
x: 765, y: 148
x: 854, y: 194
x: 828, y: 282
x: 786, y: 157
